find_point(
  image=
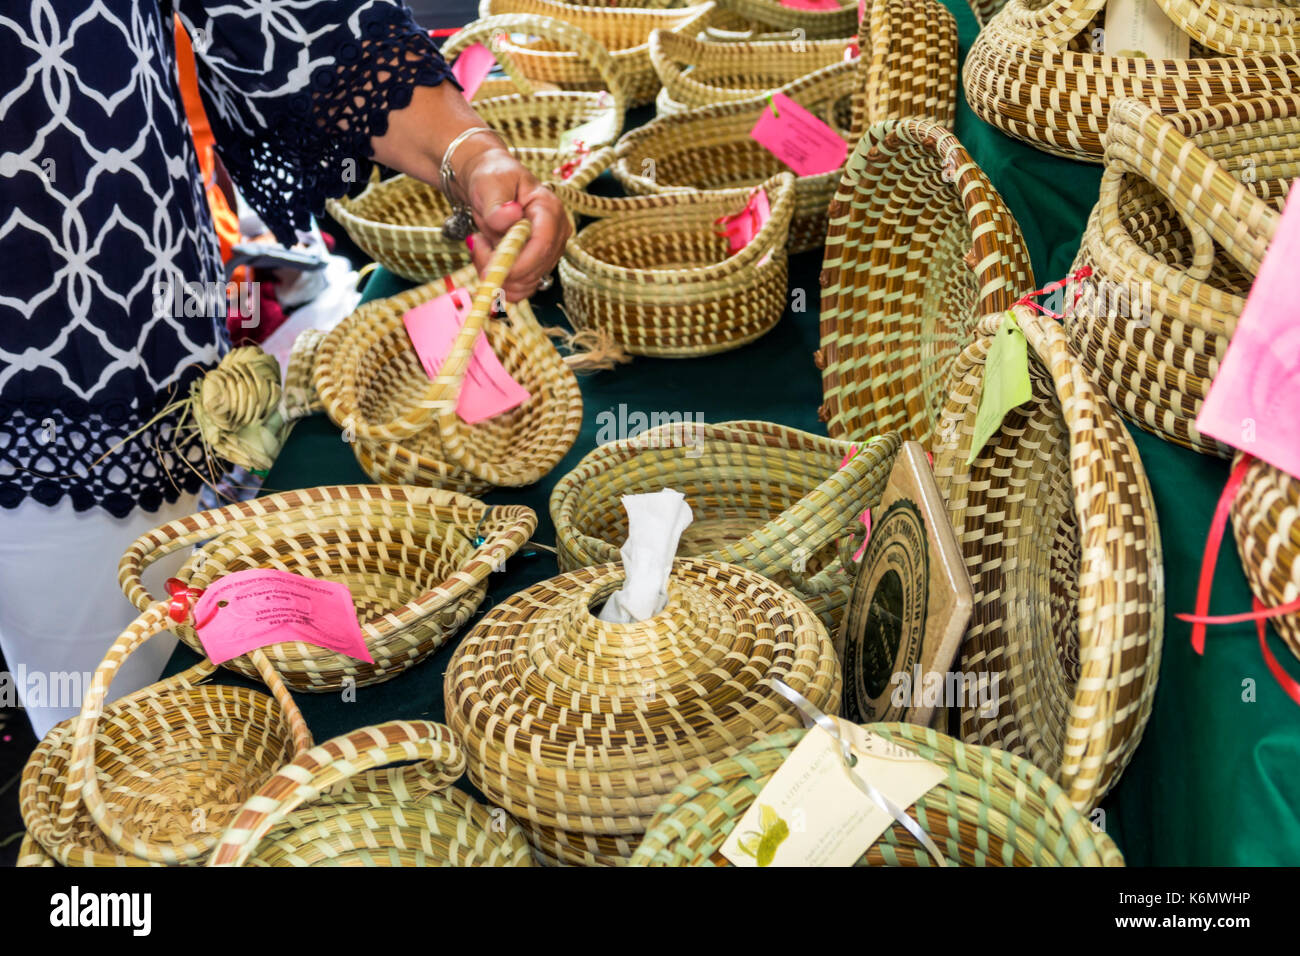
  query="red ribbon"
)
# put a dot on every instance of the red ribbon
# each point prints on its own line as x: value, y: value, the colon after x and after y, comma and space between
x: 570, y: 165
x: 182, y: 600
x: 1028, y: 297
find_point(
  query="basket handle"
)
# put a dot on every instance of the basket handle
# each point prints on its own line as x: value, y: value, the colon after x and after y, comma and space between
x: 83, y: 783
x: 335, y: 761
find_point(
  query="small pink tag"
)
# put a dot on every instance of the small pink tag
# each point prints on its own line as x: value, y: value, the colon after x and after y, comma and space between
x: 471, y: 68
x: 811, y: 4
x: 487, y: 389
x: 741, y: 228
x: 799, y: 139
x: 862, y: 9
x: 1254, y: 403
x: 251, y: 609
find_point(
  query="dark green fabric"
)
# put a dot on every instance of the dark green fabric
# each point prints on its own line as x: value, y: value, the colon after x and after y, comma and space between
x: 1214, y: 779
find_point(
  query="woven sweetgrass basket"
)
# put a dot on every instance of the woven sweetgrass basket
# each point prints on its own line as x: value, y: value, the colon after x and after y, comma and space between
x: 710, y: 148
x: 984, y: 9
x: 920, y: 247
x: 406, y: 428
x: 908, y: 64
x: 993, y: 809
x: 656, y: 275
x: 317, y: 811
x: 770, y: 498
x: 32, y: 854
x: 407, y: 554
x: 1266, y: 524
x: 1033, y: 72
x: 579, y: 728
x: 1189, y: 204
x: 153, y: 778
x: 624, y: 31
x: 1058, y: 530
x: 814, y: 24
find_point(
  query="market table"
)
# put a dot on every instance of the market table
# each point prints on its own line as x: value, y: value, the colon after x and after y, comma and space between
x: 1215, y: 779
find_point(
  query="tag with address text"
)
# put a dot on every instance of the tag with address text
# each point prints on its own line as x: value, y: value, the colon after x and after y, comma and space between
x: 799, y: 139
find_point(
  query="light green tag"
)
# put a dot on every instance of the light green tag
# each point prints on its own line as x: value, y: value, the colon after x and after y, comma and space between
x: 1006, y: 382
x: 597, y: 131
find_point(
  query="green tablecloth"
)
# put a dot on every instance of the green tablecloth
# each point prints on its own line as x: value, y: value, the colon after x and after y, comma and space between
x: 1216, y: 776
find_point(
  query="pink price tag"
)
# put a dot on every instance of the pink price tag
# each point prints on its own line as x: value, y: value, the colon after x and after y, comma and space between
x: 487, y: 389
x: 741, y: 228
x: 1254, y: 403
x: 862, y: 9
x: 799, y: 139
x: 811, y: 4
x: 250, y: 609
x: 471, y: 68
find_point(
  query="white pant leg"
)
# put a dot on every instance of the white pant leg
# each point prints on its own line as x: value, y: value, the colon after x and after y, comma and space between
x: 61, y: 607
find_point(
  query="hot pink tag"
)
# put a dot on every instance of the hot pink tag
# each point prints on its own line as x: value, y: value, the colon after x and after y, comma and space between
x: 1254, y: 403
x: 742, y: 227
x: 487, y: 389
x: 471, y: 68
x: 251, y: 609
x: 799, y: 139
x: 811, y: 4
x: 862, y: 9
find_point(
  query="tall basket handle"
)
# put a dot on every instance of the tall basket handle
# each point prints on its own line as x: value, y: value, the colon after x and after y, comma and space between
x: 335, y: 761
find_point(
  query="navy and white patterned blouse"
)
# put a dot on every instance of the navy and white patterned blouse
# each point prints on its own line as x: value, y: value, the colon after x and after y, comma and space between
x: 103, y: 213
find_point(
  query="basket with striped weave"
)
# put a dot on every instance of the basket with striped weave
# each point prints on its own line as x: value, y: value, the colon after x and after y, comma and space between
x: 992, y: 809
x: 920, y: 247
x: 1058, y: 531
x: 579, y: 728
x: 1266, y: 524
x: 908, y: 64
x: 770, y: 498
x: 814, y: 24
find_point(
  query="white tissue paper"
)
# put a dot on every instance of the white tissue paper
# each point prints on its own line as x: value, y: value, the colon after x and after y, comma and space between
x: 655, y: 523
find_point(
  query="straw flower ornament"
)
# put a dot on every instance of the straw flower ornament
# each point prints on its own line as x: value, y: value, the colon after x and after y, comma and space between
x: 237, y: 408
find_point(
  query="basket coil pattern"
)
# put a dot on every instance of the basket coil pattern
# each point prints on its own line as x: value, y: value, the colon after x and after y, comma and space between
x: 579, y: 728
x: 407, y: 555
x: 406, y: 428
x: 1174, y: 243
x: 908, y: 63
x: 764, y: 496
x: 993, y: 809
x: 658, y: 277
x: 815, y: 24
x: 317, y: 811
x: 920, y: 247
x: 1266, y: 524
x: 1058, y: 530
x: 1032, y: 73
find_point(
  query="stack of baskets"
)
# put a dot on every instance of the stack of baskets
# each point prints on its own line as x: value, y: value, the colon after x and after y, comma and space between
x: 1189, y: 204
x: 1266, y: 523
x: 920, y: 247
x: 1058, y: 530
x: 1037, y: 73
x: 770, y: 498
x: 579, y: 728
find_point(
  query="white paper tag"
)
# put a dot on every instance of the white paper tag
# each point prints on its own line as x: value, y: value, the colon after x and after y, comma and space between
x: 1140, y: 28
x: 811, y: 813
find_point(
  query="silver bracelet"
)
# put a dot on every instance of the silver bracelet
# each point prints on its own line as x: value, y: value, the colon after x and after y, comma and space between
x: 460, y: 224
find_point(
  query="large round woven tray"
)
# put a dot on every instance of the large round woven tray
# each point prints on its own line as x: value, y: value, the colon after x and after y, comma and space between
x: 771, y: 498
x: 1058, y: 530
x: 405, y: 426
x: 1266, y: 523
x: 1032, y: 71
x: 1189, y: 204
x: 993, y: 809
x: 407, y: 554
x: 580, y: 728
x: 920, y: 247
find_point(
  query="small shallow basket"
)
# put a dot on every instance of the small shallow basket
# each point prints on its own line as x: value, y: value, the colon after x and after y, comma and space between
x: 154, y: 777
x: 920, y: 248
x: 579, y: 728
x: 407, y: 431
x: 1058, y: 530
x: 710, y: 148
x: 1266, y: 523
x: 1174, y: 243
x: 656, y: 275
x: 908, y: 64
x: 624, y: 31
x: 815, y: 24
x: 770, y: 498
x: 407, y: 554
x: 1032, y: 73
x: 993, y: 809
x: 316, y: 812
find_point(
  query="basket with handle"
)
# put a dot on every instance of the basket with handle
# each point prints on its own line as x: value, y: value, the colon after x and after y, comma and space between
x: 920, y: 247
x: 991, y: 809
x: 317, y: 812
x: 405, y: 426
x: 764, y: 496
x: 1036, y: 71
x: 1189, y: 204
x: 152, y: 778
x: 1058, y: 531
x: 415, y: 559
x: 657, y: 275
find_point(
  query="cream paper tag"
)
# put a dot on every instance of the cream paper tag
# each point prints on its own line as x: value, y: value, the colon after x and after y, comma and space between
x: 1140, y: 28
x: 811, y: 814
